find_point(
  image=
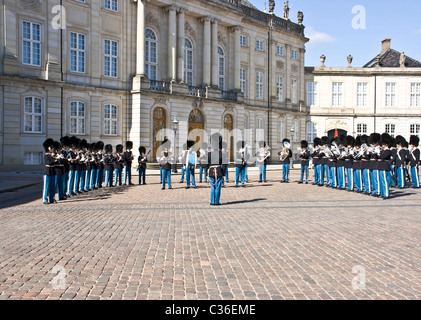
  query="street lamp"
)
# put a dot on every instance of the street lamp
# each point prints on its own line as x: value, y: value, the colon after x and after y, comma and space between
x: 292, y: 143
x: 175, y: 128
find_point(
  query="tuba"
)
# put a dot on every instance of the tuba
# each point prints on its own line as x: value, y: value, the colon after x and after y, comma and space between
x: 263, y: 155
x: 285, y: 151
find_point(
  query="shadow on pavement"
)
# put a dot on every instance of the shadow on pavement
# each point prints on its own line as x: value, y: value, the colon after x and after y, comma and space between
x: 243, y: 201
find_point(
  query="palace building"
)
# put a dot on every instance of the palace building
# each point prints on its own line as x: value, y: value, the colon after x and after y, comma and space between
x: 115, y: 70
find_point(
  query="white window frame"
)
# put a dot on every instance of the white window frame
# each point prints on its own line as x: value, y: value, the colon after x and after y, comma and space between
x: 260, y: 45
x: 243, y: 81
x: 79, y: 52
x: 111, y: 58
x: 32, y: 158
x: 390, y: 94
x: 294, y: 91
x: 111, y: 5
x: 280, y: 50
x: 111, y: 120
x: 188, y: 61
x: 294, y: 54
x: 259, y: 85
x: 312, y: 94
x: 362, y: 94
x: 243, y: 41
x: 80, y: 120
x: 151, y: 65
x: 337, y: 94
x: 390, y: 128
x: 415, y: 129
x: 33, y: 43
x: 221, y: 68
x: 362, y: 128
x: 415, y: 94
x: 32, y: 117
x: 280, y: 88
x: 311, y: 131
x: 282, y: 128
x: 260, y: 130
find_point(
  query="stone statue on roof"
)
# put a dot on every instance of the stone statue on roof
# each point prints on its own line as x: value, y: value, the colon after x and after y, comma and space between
x: 286, y: 10
x: 300, y: 17
x: 271, y: 6
x: 402, y: 60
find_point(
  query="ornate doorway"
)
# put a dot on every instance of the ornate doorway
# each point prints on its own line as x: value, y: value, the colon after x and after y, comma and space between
x: 196, y: 127
x: 228, y: 128
x: 159, y: 123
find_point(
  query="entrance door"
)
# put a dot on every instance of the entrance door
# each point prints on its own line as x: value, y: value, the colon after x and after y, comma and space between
x: 331, y: 133
x: 159, y: 123
x: 196, y: 128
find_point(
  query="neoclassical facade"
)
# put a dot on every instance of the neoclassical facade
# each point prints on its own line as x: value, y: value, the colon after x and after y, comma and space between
x: 382, y: 96
x: 116, y: 70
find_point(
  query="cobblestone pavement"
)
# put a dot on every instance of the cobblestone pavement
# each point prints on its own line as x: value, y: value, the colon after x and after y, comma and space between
x: 268, y: 241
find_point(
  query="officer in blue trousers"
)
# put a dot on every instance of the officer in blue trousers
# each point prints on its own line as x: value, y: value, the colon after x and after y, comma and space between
x: 48, y: 194
x: 356, y: 165
x: 262, y: 160
x: 240, y: 164
x: 285, y: 156
x: 365, y: 164
x: 100, y: 165
x: 108, y: 165
x: 383, y: 165
x: 414, y: 160
x: 191, y: 162
x: 304, y: 155
x: 65, y: 144
x: 316, y: 160
x: 401, y: 159
x: 71, y: 159
x: 340, y: 164
x: 128, y: 158
x: 215, y: 169
x: 142, y: 160
x: 324, y: 162
x: 82, y: 165
x: 118, y: 165
x: 59, y: 171
x: 374, y: 171
x: 166, y: 161
x: 94, y: 167
x: 332, y: 182
x: 348, y: 159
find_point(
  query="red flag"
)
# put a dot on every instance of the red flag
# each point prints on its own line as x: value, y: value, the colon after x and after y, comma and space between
x: 336, y: 133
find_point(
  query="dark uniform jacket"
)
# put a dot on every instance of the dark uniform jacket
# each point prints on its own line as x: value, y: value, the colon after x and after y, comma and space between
x: 305, y: 158
x: 49, y: 165
x: 215, y: 164
x: 108, y: 162
x: 315, y: 157
x: 383, y: 163
x: 414, y: 158
x: 127, y: 156
x: 118, y: 161
x: 287, y: 160
x: 401, y: 158
x: 142, y: 161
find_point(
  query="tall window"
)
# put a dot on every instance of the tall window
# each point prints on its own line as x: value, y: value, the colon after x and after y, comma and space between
x: 282, y: 130
x: 361, y: 128
x: 111, y: 5
x: 337, y: 94
x: 243, y: 81
x: 243, y: 41
x: 294, y: 54
x: 31, y: 43
x: 312, y: 94
x: 280, y: 88
x: 32, y: 114
x: 260, y: 130
x: 311, y: 132
x: 151, y: 61
x: 415, y: 94
x: 77, y: 52
x: 259, y: 85
x: 390, y: 94
x: 414, y: 130
x: 110, y: 120
x: 221, y: 66
x: 259, y: 45
x: 77, y: 117
x: 390, y: 129
x: 110, y: 58
x: 294, y: 91
x: 362, y: 94
x: 188, y: 62
x: 280, y: 50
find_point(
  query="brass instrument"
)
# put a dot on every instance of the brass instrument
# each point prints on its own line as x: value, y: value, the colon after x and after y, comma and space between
x: 166, y: 159
x: 285, y: 151
x: 263, y: 155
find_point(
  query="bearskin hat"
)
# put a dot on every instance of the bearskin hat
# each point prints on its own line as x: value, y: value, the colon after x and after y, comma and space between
x: 129, y: 145
x: 108, y: 148
x: 332, y: 140
x: 304, y: 144
x: 83, y: 144
x: 349, y: 141
x: 119, y: 148
x: 74, y: 141
x: 286, y: 141
x: 317, y: 142
x: 92, y: 146
x: 386, y: 139
x: 358, y: 141
x: 375, y: 138
x: 342, y: 140
x: 48, y: 144
x: 364, y: 139
x: 142, y: 150
x: 190, y: 143
x: 392, y: 142
x: 414, y: 140
x: 65, y: 141
x: 57, y: 146
x: 99, y: 145
x: 400, y: 140
x: 217, y: 141
x: 325, y: 140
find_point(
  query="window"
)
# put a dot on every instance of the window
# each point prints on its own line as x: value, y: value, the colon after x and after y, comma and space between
x: 32, y: 158
x: 281, y: 130
x: 259, y: 85
x: 31, y: 43
x: 280, y: 88
x: 337, y: 94
x: 260, y: 130
x: 361, y: 129
x: 311, y: 132
x: 77, y: 52
x: 221, y: 57
x: 294, y: 91
x: 415, y: 94
x: 77, y: 117
x: 414, y: 130
x: 151, y: 62
x: 312, y: 94
x: 243, y: 81
x: 390, y: 94
x: 362, y: 94
x: 110, y: 120
x: 259, y: 45
x: 243, y: 41
x: 390, y: 129
x: 110, y: 58
x: 188, y: 62
x: 280, y: 50
x: 294, y: 54
x: 32, y: 114
x: 111, y: 5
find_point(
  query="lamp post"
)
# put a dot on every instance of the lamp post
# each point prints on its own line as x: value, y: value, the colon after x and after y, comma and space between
x: 175, y: 128
x: 292, y: 143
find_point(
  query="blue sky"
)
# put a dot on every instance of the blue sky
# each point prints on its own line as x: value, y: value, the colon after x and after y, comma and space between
x: 329, y: 25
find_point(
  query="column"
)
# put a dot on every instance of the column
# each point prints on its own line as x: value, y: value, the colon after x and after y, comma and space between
x: 287, y: 80
x: 237, y: 57
x: 140, y: 43
x: 172, y: 42
x: 206, y: 51
x: 180, y: 45
x: 215, y: 69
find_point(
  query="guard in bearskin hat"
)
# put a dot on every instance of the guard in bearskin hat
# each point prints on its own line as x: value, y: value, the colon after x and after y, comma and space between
x: 324, y: 154
x: 401, y: 160
x: 48, y: 194
x: 225, y: 162
x: 72, y: 158
x: 315, y: 156
x: 91, y: 167
x: 340, y: 163
x: 216, y: 171
x: 374, y: 155
x: 65, y: 144
x: 414, y: 160
x: 81, y: 173
x: 109, y: 165
x: 182, y: 159
x: 240, y: 164
x: 348, y: 158
x: 304, y: 155
x: 356, y: 165
x: 285, y: 156
x: 99, y: 158
x: 383, y: 165
x: 59, y: 171
x: 118, y: 165
x: 191, y: 161
x: 166, y: 161
x: 142, y: 160
x: 128, y: 158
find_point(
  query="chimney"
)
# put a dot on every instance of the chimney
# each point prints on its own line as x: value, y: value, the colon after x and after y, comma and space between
x: 385, y: 45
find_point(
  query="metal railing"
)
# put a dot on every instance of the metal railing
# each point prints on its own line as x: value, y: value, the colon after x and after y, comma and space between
x: 160, y: 86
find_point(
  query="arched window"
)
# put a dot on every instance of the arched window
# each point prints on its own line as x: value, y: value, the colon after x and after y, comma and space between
x: 151, y: 53
x: 221, y: 66
x: 188, y: 62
